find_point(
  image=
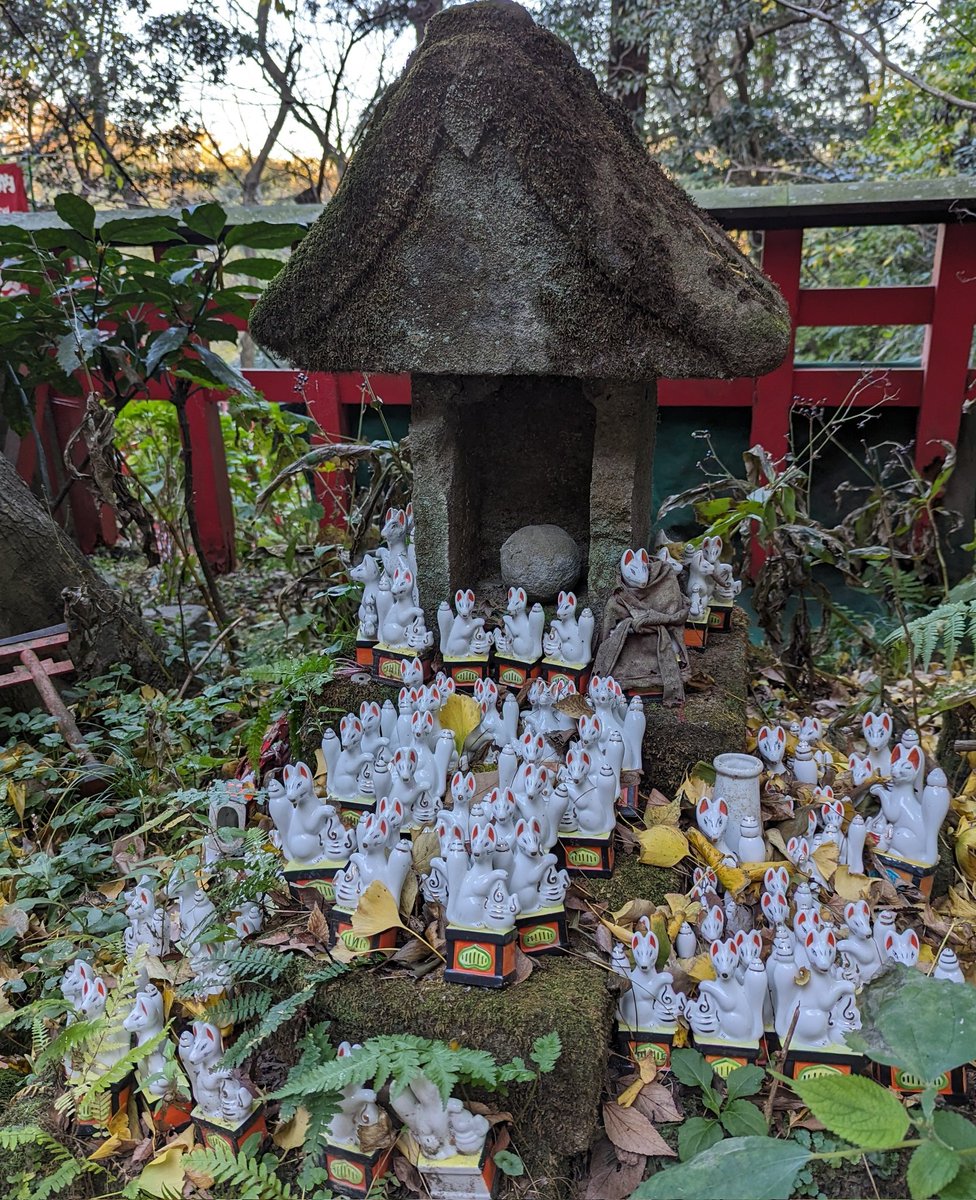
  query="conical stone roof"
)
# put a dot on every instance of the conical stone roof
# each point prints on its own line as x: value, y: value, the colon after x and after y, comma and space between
x: 501, y: 217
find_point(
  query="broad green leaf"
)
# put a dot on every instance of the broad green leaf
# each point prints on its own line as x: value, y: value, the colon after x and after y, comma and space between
x: 215, y: 372
x: 208, y: 220
x: 925, y: 1026
x: 169, y: 340
x: 749, y: 1168
x: 691, y: 1068
x: 509, y: 1163
x: 76, y: 213
x: 141, y: 231
x: 744, y: 1081
x: 931, y: 1167
x: 856, y: 1109
x: 256, y: 268
x: 962, y: 1187
x: 742, y: 1119
x: 955, y: 1130
x: 264, y: 235
x: 698, y: 1134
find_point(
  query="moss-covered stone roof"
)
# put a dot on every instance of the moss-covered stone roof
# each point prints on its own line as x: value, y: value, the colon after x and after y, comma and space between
x: 502, y: 217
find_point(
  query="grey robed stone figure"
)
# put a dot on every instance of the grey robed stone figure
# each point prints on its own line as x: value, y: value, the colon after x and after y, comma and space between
x: 503, y: 236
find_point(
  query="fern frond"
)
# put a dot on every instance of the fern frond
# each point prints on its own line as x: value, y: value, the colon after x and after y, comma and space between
x: 254, y: 1178
x: 70, y: 1038
x: 545, y: 1051
x: 944, y: 629
x: 245, y: 1006
x: 125, y: 1065
x: 273, y: 1019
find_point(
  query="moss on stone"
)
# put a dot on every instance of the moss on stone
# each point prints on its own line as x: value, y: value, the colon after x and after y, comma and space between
x: 555, y: 1118
x: 710, y: 722
x: 634, y: 880
x: 502, y: 217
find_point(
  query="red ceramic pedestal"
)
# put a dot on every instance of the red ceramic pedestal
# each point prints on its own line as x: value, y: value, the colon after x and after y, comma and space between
x: 480, y: 957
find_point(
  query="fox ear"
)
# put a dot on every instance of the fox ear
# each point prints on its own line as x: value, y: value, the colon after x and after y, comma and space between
x: 810, y: 937
x: 780, y: 734
x: 914, y: 758
x: 831, y: 940
x: 643, y: 557
x: 470, y: 596
x: 714, y: 948
x: 628, y: 557
x: 913, y: 939
x: 889, y: 941
x: 885, y: 722
x: 723, y: 808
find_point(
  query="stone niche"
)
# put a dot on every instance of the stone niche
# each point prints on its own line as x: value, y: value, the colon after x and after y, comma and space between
x: 492, y: 454
x: 503, y: 235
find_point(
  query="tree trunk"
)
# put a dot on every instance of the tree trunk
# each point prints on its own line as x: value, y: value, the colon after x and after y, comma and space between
x: 628, y: 58
x: 47, y: 580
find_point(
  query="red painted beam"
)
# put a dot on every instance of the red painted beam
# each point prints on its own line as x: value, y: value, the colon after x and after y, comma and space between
x: 895, y: 388
x: 782, y: 253
x: 945, y: 352
x: 211, y: 483
x: 706, y: 393
x: 866, y: 306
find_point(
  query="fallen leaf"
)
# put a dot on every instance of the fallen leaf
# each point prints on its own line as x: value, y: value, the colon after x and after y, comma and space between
x: 408, y: 1175
x: 852, y: 887
x: 164, y: 1176
x: 657, y: 1104
x: 701, y: 967
x: 667, y: 813
x: 127, y: 851
x: 524, y: 966
x: 630, y: 1093
x: 630, y: 1130
x: 461, y: 715
x: 609, y: 1178
x: 111, y: 890
x: 825, y: 857
x: 106, y: 1149
x: 290, y: 1134
x: 318, y: 926
x: 376, y: 911
x: 662, y: 846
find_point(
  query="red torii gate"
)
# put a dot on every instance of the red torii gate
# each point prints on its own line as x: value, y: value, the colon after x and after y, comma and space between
x: 936, y: 389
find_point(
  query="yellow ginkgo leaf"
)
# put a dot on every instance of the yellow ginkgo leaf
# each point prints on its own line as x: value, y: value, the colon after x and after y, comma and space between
x: 164, y: 1176
x: 106, y: 1149
x: 693, y: 788
x: 852, y: 887
x: 290, y: 1134
x: 461, y: 715
x: 630, y: 1094
x: 662, y: 814
x: 376, y: 911
x: 825, y: 857
x: 701, y: 967
x: 662, y: 845
x: 16, y: 796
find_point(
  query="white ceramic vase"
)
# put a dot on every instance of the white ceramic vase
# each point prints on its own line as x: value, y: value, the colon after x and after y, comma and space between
x: 737, y: 782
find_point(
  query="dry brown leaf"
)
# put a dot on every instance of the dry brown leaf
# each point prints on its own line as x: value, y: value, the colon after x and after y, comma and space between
x: 657, y: 1104
x: 290, y: 1134
x: 609, y: 1178
x: 318, y: 926
x: 524, y: 966
x: 630, y: 1130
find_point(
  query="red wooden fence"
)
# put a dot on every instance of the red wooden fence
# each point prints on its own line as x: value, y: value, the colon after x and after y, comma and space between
x: 936, y: 389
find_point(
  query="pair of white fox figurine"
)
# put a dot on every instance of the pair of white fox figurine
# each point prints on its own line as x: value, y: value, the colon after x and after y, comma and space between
x: 389, y: 609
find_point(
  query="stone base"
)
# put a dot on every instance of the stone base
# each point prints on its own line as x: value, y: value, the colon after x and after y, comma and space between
x: 720, y: 616
x: 364, y: 653
x: 904, y: 873
x: 577, y: 674
x: 696, y: 632
x: 340, y: 927
x: 249, y: 1135
x: 655, y: 1044
x: 516, y: 672
x: 170, y: 1115
x: 543, y: 932
x: 353, y: 810
x: 302, y: 875
x: 351, y: 1171
x: 814, y: 1062
x: 712, y: 719
x: 480, y: 957
x: 466, y: 672
x: 386, y: 664
x: 586, y: 854
x: 725, y: 1056
x: 628, y: 801
x: 96, y: 1111
x: 460, y: 1177
x: 564, y: 993
x: 954, y: 1085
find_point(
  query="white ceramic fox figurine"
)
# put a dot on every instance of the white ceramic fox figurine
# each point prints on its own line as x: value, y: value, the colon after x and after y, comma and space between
x: 861, y: 951
x: 345, y: 757
x: 878, y: 728
x: 522, y: 629
x: 712, y: 817
x: 396, y: 608
x: 462, y: 633
x: 771, y: 743
x: 650, y: 1001
x: 570, y: 639
x: 368, y: 573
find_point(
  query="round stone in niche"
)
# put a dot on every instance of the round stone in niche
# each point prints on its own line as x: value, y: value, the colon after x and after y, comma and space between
x: 544, y: 559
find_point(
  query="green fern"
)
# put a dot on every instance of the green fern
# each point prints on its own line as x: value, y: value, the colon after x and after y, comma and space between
x: 273, y: 1019
x: 245, y: 1006
x: 43, y: 1148
x: 944, y: 630
x: 251, y: 1178
x: 400, y: 1058
x: 545, y: 1052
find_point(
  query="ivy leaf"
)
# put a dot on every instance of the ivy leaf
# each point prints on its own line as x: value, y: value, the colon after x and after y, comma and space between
x: 742, y: 1119
x: 924, y: 1026
x: 697, y: 1134
x: 744, y: 1081
x: 931, y: 1167
x: 509, y: 1163
x: 855, y: 1108
x: 76, y: 213
x: 749, y: 1168
x: 691, y: 1068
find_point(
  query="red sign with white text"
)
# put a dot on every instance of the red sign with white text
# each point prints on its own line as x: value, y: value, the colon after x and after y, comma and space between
x: 13, y: 197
